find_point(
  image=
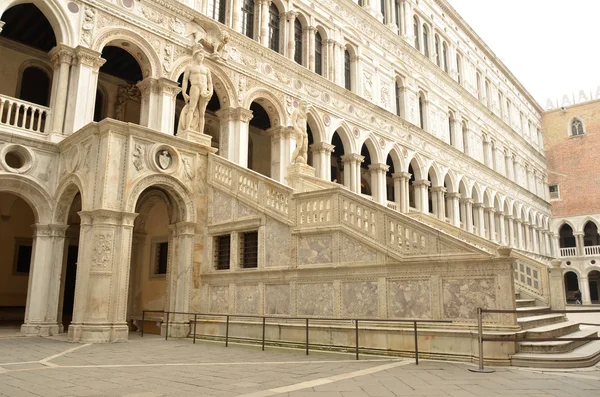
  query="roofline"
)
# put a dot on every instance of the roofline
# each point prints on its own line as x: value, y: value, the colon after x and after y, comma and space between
x: 474, y: 36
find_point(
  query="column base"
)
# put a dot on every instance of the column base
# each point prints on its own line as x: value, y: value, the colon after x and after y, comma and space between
x: 98, y: 333
x: 177, y: 329
x: 40, y: 329
x: 196, y: 137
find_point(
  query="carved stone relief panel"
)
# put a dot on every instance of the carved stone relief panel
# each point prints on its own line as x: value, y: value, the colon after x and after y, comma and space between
x: 360, y: 298
x: 461, y: 297
x: 315, y: 249
x: 221, y: 206
x: 353, y: 251
x: 246, y: 299
x: 243, y: 210
x: 102, y: 250
x: 409, y: 298
x: 315, y: 299
x: 277, y: 299
x: 277, y: 244
x: 219, y: 298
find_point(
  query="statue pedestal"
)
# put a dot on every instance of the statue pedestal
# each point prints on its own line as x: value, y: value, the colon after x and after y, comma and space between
x: 196, y: 137
x: 301, y: 177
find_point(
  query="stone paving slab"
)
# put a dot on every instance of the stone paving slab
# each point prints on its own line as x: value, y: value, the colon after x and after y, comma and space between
x: 153, y: 367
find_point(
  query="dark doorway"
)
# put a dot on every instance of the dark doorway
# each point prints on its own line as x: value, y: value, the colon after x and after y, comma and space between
x: 69, y: 292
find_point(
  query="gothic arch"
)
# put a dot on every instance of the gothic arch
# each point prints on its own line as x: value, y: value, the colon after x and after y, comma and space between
x: 179, y: 193
x: 316, y: 125
x: 463, y: 188
x: 583, y: 222
x: 419, y: 170
x: 34, y: 195
x: 55, y: 14
x: 374, y: 150
x: 270, y: 103
x: 343, y: 130
x: 141, y: 50
x: 451, y: 175
x: 436, y: 175
x: 397, y: 156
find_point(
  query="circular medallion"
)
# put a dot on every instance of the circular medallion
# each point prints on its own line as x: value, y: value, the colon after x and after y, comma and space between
x: 351, y: 108
x: 128, y: 3
x: 74, y: 8
x: 299, y: 84
x: 164, y: 159
x: 327, y: 120
x: 356, y: 132
x: 326, y: 98
x: 267, y: 68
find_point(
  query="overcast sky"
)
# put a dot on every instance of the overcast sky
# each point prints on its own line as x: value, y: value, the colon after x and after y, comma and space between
x: 551, y: 46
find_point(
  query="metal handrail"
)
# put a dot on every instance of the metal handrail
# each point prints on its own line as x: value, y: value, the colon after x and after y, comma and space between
x: 227, y: 316
x: 515, y: 339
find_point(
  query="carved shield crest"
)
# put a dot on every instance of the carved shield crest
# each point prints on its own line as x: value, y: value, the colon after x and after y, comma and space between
x: 164, y: 159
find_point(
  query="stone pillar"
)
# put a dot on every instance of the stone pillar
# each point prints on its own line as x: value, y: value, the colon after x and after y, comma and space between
x: 82, y: 88
x: 233, y: 136
x: 321, y: 155
x: 167, y: 102
x: 236, y: 15
x: 526, y: 230
x: 454, y: 205
x: 103, y: 263
x: 557, y: 286
x: 264, y: 22
x: 510, y: 171
x: 422, y: 195
x: 584, y: 287
x: 352, y: 171
x: 579, y: 243
x: 310, y: 47
x: 61, y: 57
x: 378, y: 182
x: 534, y: 243
x: 179, y: 280
x: 467, y: 214
x: 290, y: 17
x: 501, y: 228
x: 283, y: 144
x: 511, y: 231
x: 134, y: 296
x: 490, y: 214
x: 438, y: 202
x: 330, y: 60
x: 401, y: 188
x: 519, y: 225
x: 43, y: 291
x: 479, y: 219
x: 149, y: 113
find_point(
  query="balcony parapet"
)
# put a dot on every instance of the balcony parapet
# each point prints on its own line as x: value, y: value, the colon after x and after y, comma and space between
x: 23, y: 115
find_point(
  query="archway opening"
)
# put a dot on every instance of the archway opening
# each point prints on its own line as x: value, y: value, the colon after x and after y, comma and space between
x: 590, y: 235
x: 69, y: 268
x: 462, y: 209
x: 567, y: 239
x: 594, y: 284
x: 150, y: 258
x: 311, y: 140
x: 448, y: 209
x: 118, y: 77
x: 412, y: 200
x: 571, y: 286
x: 365, y: 177
x: 16, y: 246
x: 259, y: 153
x: 337, y: 164
x: 389, y: 180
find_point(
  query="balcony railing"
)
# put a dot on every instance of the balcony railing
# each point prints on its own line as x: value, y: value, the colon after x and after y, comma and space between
x: 23, y: 115
x: 592, y: 250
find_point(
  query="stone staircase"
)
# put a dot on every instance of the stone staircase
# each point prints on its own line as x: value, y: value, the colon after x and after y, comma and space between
x: 552, y: 354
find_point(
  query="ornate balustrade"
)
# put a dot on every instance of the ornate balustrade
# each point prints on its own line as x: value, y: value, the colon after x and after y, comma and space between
x: 23, y: 115
x: 592, y: 250
x: 531, y: 277
x: 569, y: 251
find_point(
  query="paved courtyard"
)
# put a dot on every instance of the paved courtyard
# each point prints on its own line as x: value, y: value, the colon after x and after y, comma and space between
x: 153, y: 367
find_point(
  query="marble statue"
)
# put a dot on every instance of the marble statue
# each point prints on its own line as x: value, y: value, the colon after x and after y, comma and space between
x: 197, y: 75
x: 300, y: 155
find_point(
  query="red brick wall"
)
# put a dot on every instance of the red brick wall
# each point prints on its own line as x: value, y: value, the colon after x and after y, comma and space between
x: 574, y: 162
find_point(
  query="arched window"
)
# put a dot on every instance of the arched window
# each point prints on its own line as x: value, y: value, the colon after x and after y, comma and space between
x: 274, y: 27
x: 422, y: 110
x: 438, y: 58
x: 445, y: 56
x: 216, y: 10
x: 347, y: 71
x: 458, y: 68
x: 577, y: 127
x: 298, y: 42
x: 416, y: 33
x: 425, y: 40
x: 465, y: 136
x: 35, y: 86
x: 248, y: 18
x: 450, y: 128
x: 318, y: 54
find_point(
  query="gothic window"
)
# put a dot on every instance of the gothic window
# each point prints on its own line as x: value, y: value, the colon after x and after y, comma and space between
x: 437, y: 50
x: 445, y: 56
x: 160, y: 250
x: 397, y: 15
x: 425, y: 41
x: 216, y: 10
x: 274, y: 28
x: 35, y: 86
x: 577, y: 127
x: 347, y: 71
x: 248, y: 18
x: 298, y: 41
x: 416, y: 33
x: 318, y: 54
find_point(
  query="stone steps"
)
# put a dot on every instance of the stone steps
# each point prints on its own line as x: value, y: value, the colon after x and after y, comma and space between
x: 558, y: 346
x: 582, y: 356
x: 552, y: 330
x: 525, y: 311
x: 525, y: 303
x: 535, y: 321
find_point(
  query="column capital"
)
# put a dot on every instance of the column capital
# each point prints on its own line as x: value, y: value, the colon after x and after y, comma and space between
x: 149, y: 85
x: 169, y: 87
x: 61, y: 54
x: 291, y: 15
x: 49, y: 230
x: 401, y: 175
x: 235, y: 114
x: 107, y: 217
x: 466, y: 200
x: 353, y: 157
x: 489, y: 209
x: 438, y: 189
x: 85, y: 56
x: 577, y: 234
x: 422, y: 183
x: 183, y: 229
x: 477, y: 205
x: 265, y: 2
x: 322, y: 147
x: 377, y: 167
x: 280, y: 131
x: 500, y: 213
x: 454, y: 195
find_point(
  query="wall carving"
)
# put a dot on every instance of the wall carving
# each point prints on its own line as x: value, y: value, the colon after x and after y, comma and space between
x: 409, y: 298
x: 360, y: 299
x: 314, y: 299
x: 219, y: 299
x: 462, y: 297
x: 102, y: 251
x: 315, y: 249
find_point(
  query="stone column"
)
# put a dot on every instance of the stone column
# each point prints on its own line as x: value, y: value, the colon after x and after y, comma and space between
x: 490, y: 214
x: 233, y: 136
x: 352, y: 171
x: 82, y: 88
x: 61, y: 57
x: 519, y: 225
x: 378, y: 182
x: 479, y: 219
x: 310, y: 47
x: 401, y: 189
x: 422, y: 195
x: 579, y: 243
x: 321, y: 155
x: 453, y: 205
x: 290, y: 17
x: 179, y: 280
x: 501, y: 228
x: 557, y: 286
x: 528, y: 245
x: 330, y: 60
x: 264, y: 22
x: 468, y: 210
x: 283, y: 144
x: 149, y: 113
x: 534, y: 234
x: 511, y: 231
x: 103, y: 263
x: 584, y: 287
x: 438, y: 202
x: 43, y: 291
x: 167, y: 102
x: 134, y: 296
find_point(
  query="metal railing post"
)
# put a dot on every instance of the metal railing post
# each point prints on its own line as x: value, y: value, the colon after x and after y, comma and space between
x: 195, y: 318
x: 480, y: 342
x: 307, y: 337
x: 167, y: 327
x: 416, y: 344
x: 227, y: 332
x: 142, y: 328
x: 356, y: 335
x: 263, y: 334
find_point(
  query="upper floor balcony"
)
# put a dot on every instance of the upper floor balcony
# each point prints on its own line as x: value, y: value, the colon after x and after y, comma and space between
x: 585, y: 242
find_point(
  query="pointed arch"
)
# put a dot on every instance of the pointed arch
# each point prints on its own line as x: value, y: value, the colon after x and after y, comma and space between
x: 396, y: 153
x: 463, y: 188
x: 316, y: 125
x: 270, y: 103
x: 418, y: 166
x: 581, y: 224
x: 476, y: 193
x: 345, y: 133
x: 451, y: 181
x: 374, y: 149
x: 435, y: 174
